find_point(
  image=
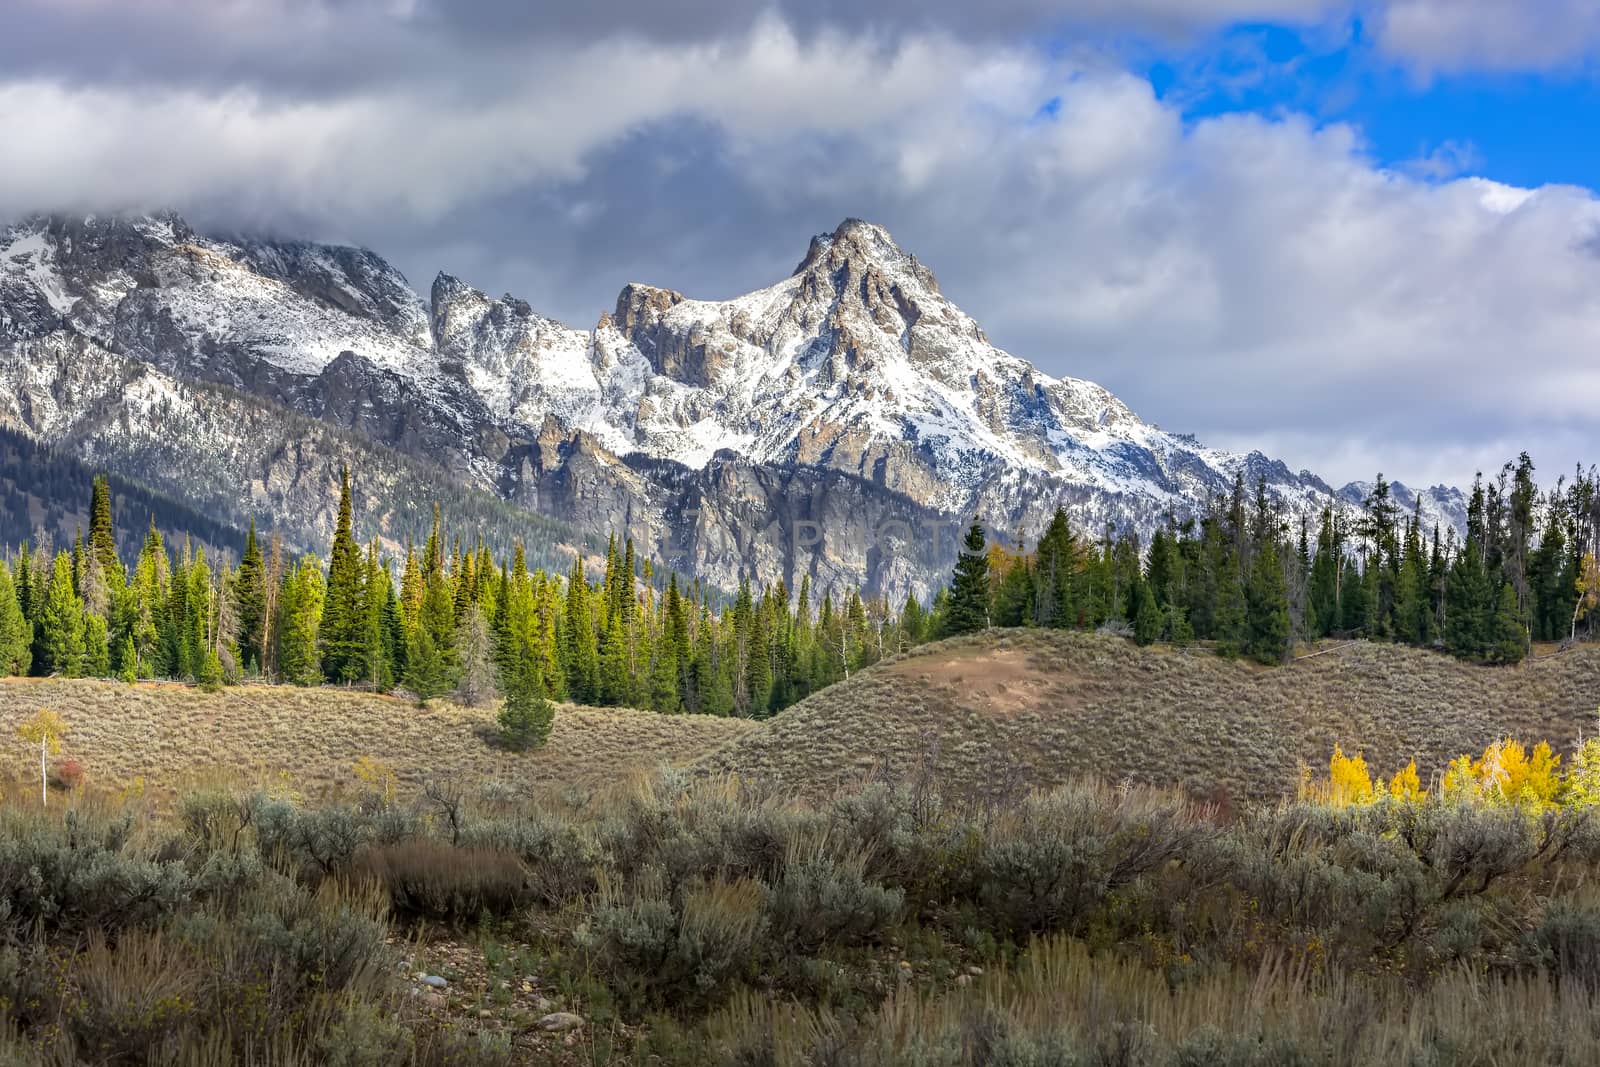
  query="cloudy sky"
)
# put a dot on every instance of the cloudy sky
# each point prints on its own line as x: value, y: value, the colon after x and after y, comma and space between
x: 1357, y: 234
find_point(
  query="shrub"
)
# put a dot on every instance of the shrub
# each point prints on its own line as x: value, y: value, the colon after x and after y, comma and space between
x: 438, y: 881
x: 559, y: 860
x: 823, y: 900
x: 1565, y: 942
x: 681, y: 954
x: 320, y: 842
x: 67, y: 774
x: 1067, y: 851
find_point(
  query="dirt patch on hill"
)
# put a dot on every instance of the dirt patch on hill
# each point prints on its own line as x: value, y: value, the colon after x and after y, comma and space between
x: 1002, y: 684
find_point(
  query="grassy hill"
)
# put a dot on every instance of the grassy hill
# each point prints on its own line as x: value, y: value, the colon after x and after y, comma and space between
x: 1002, y: 711
x: 1043, y: 707
x: 170, y: 734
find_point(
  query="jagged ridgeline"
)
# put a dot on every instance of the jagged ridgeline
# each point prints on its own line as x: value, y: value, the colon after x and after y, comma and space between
x: 824, y: 425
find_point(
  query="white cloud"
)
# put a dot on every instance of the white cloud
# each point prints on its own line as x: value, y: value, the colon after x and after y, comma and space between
x: 1257, y: 280
x: 1452, y: 35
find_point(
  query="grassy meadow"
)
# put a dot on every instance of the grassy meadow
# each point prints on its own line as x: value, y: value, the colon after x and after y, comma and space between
x: 1031, y: 849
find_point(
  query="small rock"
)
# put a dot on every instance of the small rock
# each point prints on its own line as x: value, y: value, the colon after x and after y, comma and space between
x: 527, y: 987
x: 485, y: 1013
x: 543, y: 1004
x: 963, y: 979
x: 434, y: 980
x: 436, y: 1000
x: 560, y: 1021
x: 974, y: 970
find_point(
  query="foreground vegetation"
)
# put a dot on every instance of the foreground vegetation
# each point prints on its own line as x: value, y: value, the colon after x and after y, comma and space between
x: 675, y: 921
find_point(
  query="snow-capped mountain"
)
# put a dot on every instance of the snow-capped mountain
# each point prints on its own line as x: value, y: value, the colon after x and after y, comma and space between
x: 831, y: 424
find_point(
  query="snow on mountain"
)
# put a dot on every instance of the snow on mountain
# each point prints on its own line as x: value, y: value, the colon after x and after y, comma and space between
x: 856, y: 365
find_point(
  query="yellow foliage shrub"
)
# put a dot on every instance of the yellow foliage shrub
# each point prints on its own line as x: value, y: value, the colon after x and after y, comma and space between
x: 1348, y: 780
x: 1406, y: 785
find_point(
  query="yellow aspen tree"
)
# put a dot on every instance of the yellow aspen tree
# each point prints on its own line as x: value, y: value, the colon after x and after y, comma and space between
x: 1406, y: 784
x: 46, y: 729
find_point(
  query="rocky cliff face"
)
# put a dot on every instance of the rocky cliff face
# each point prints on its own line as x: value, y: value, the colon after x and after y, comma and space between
x: 836, y: 424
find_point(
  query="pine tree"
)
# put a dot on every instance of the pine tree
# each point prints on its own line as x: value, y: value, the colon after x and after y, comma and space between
x: 1147, y: 619
x: 969, y: 586
x: 1267, y: 607
x: 61, y: 622
x: 250, y: 600
x: 613, y: 666
x: 16, y: 632
x: 342, y: 630
x: 583, y: 654
x: 1510, y: 634
x: 527, y: 715
x: 300, y: 609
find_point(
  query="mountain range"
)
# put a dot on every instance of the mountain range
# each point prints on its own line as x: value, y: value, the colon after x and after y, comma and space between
x: 842, y: 423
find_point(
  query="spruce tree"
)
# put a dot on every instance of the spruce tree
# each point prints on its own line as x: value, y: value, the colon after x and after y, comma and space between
x: 1267, y: 606
x: 1510, y: 643
x: 1147, y: 618
x: 1232, y: 617
x: 969, y: 586
x: 526, y: 717
x: 16, y: 632
x: 96, y: 647
x: 613, y: 665
x: 61, y: 622
x: 299, y: 609
x: 250, y: 599
x: 342, y: 630
x: 583, y: 654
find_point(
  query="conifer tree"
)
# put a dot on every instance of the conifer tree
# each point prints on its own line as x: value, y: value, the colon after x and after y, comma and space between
x: 583, y: 654
x: 342, y: 631
x: 969, y: 586
x: 430, y: 653
x: 96, y: 646
x: 527, y: 715
x: 1232, y: 618
x: 102, y: 533
x: 1147, y: 619
x: 61, y: 622
x: 1510, y: 634
x: 1267, y: 605
x: 475, y: 673
x: 250, y: 597
x: 613, y: 667
x: 16, y: 632
x: 299, y: 610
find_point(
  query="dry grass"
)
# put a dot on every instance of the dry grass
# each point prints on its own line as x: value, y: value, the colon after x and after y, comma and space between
x: 1044, y: 707
x: 171, y: 735
x: 1017, y: 708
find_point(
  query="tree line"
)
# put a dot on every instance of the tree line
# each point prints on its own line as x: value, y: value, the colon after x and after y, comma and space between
x: 461, y: 620
x: 1246, y: 577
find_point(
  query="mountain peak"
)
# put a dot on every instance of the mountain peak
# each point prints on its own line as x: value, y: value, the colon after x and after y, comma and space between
x: 863, y: 246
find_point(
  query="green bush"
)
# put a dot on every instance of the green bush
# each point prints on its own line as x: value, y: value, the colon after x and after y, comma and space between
x: 683, y: 954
